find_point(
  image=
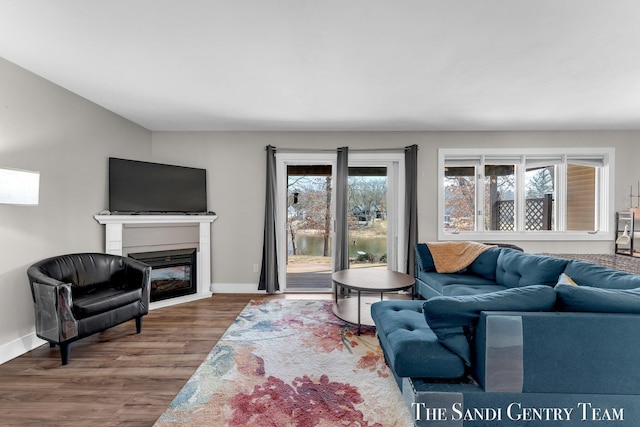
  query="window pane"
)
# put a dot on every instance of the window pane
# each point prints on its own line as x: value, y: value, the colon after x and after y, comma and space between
x: 499, y: 195
x: 368, y: 216
x: 581, y: 197
x: 460, y: 198
x: 309, y: 263
x: 540, y: 184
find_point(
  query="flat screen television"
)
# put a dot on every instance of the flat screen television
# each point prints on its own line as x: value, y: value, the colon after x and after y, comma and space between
x: 145, y: 187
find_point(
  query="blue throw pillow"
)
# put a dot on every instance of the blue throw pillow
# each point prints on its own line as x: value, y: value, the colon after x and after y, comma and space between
x: 454, y: 318
x: 599, y: 300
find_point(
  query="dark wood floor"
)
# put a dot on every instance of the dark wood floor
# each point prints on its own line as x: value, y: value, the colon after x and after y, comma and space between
x: 119, y: 378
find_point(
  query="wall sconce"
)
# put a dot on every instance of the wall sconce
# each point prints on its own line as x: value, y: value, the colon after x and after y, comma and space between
x: 19, y: 187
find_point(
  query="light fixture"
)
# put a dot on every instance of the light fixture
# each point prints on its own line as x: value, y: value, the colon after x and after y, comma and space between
x: 19, y: 187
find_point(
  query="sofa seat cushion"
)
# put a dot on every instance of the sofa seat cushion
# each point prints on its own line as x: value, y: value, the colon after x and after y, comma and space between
x: 454, y: 319
x: 410, y: 347
x: 438, y: 281
x: 517, y: 269
x: 102, y: 300
x: 459, y: 290
x: 588, y: 274
x: 598, y: 300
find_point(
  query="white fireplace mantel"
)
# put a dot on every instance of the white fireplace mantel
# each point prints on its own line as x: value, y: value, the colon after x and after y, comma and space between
x: 114, y: 225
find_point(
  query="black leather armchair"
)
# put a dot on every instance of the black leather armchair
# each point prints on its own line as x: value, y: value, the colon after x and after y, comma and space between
x: 77, y: 295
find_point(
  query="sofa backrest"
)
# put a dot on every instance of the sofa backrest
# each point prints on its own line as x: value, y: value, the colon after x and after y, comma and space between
x: 424, y: 260
x: 588, y: 274
x: 486, y: 263
x: 517, y: 269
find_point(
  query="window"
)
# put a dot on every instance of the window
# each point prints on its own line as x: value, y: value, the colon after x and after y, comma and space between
x: 525, y: 194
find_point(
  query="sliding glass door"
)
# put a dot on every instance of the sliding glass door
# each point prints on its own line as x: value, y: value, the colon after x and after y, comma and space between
x: 306, y: 216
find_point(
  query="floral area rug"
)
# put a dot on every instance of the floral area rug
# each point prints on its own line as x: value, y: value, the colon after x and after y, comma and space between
x: 291, y: 363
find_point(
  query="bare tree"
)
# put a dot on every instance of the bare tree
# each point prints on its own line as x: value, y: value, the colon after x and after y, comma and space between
x: 367, y: 197
x: 310, y: 207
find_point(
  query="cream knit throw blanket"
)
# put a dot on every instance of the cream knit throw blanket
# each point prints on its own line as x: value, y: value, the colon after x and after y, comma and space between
x: 449, y: 257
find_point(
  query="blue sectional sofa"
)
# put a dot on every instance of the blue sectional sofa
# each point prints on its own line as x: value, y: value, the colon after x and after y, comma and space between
x: 516, y: 339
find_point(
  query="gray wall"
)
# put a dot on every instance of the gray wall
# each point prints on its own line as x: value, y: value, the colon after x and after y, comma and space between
x: 235, y: 162
x: 68, y: 139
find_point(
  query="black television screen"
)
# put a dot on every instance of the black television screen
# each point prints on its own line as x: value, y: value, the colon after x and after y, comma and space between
x: 144, y: 187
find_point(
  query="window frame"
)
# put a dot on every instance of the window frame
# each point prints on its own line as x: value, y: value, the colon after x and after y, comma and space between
x: 605, y: 184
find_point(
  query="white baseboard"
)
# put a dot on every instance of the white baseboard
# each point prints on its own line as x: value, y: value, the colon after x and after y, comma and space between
x: 20, y: 346
x: 236, y: 288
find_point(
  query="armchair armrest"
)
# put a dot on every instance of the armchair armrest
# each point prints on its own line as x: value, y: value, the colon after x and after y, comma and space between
x: 55, y: 321
x: 137, y: 274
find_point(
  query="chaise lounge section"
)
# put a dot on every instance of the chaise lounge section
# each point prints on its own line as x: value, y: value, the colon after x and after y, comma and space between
x: 514, y: 330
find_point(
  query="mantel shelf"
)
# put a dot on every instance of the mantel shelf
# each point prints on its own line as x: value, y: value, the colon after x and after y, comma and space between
x: 154, y: 219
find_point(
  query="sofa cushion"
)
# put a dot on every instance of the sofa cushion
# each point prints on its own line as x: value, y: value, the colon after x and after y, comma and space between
x: 459, y: 290
x: 102, y: 300
x: 454, y: 319
x: 438, y: 281
x: 517, y: 269
x: 599, y: 300
x: 589, y: 274
x: 486, y: 263
x: 410, y: 347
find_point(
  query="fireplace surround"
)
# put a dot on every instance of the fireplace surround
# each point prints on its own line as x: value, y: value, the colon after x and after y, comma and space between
x: 118, y: 227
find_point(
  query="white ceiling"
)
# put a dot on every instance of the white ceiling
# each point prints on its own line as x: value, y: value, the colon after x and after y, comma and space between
x: 339, y: 65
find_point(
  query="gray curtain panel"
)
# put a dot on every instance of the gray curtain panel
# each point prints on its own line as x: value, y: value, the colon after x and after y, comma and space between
x: 411, y: 207
x: 342, y: 222
x: 269, y: 272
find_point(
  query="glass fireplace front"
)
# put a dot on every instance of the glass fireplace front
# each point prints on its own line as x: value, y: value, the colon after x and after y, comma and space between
x: 173, y: 273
